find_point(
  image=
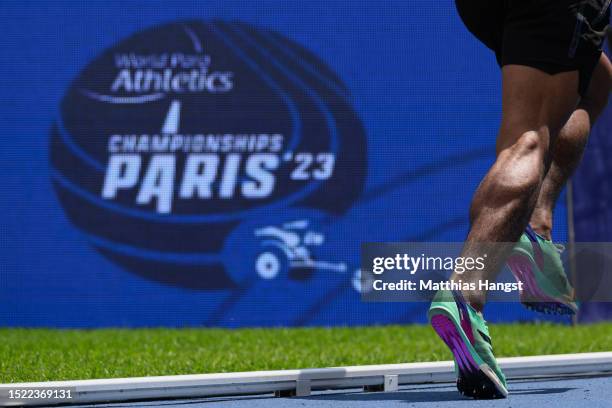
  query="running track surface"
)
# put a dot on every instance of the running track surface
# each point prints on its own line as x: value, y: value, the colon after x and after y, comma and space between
x: 582, y: 392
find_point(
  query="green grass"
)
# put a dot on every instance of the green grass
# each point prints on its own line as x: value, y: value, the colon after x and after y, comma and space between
x: 41, y: 355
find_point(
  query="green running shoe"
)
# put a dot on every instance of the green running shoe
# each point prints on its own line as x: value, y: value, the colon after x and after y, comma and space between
x: 536, y: 262
x: 467, y: 336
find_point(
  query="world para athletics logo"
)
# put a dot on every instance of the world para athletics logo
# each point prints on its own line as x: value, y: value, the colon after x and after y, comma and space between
x: 192, y: 145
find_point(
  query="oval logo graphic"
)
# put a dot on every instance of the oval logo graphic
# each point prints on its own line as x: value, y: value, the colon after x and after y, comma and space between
x: 170, y: 140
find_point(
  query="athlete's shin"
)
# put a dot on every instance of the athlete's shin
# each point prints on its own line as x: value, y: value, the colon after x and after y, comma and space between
x: 502, y: 205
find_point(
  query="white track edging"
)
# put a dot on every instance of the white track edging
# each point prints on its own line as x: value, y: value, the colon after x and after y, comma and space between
x: 286, y: 382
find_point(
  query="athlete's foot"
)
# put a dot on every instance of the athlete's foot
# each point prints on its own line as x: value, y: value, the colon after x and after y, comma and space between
x: 536, y: 262
x: 467, y: 336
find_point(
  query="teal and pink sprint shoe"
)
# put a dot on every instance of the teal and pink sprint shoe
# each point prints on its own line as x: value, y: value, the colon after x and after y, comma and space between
x: 466, y: 334
x: 536, y: 262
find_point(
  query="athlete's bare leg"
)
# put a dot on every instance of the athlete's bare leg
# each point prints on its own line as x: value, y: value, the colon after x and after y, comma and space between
x: 569, y: 146
x: 535, y: 106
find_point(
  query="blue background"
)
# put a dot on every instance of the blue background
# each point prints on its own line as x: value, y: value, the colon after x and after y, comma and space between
x: 592, y: 196
x: 427, y: 93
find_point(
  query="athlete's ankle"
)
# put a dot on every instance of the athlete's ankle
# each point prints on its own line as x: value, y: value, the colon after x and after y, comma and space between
x: 542, y: 221
x: 542, y: 229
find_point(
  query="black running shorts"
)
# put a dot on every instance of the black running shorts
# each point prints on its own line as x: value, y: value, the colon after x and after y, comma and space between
x: 551, y: 35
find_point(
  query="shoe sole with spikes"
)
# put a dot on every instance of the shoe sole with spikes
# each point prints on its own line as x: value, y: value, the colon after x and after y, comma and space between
x: 475, y: 378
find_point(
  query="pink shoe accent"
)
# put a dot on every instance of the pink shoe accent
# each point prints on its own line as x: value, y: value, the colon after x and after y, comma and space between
x: 447, y: 331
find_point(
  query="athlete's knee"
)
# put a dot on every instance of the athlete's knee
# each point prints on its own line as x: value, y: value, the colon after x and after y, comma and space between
x: 522, y: 165
x: 515, y: 177
x: 530, y: 143
x: 531, y: 149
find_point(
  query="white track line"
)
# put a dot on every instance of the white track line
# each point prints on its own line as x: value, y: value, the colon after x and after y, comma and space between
x: 286, y: 381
